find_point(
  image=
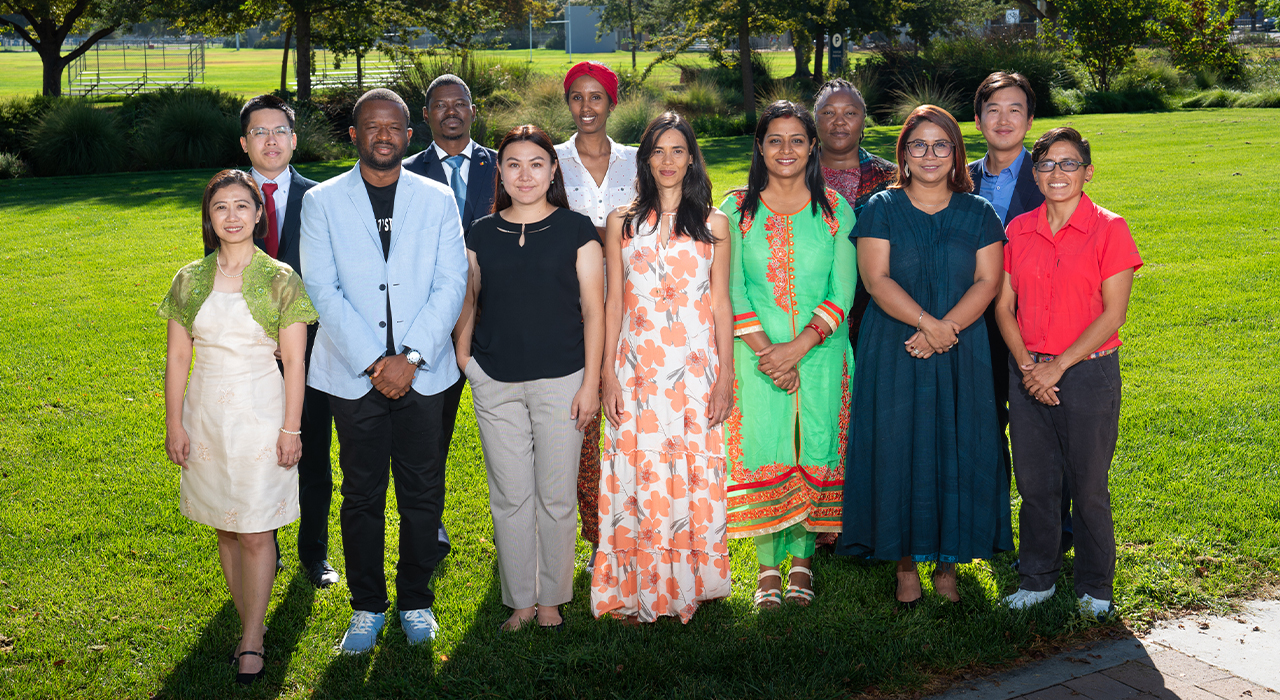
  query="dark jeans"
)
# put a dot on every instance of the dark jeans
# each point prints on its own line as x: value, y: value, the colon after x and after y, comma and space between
x: 1075, y: 439
x: 315, y: 471
x: 372, y: 431
x: 452, y: 397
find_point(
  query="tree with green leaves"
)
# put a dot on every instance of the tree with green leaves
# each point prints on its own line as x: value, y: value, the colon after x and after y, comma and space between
x: 457, y: 23
x: 1102, y: 35
x: 1198, y: 35
x: 50, y: 22
x: 635, y: 17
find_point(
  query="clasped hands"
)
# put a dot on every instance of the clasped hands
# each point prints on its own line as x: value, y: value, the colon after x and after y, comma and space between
x: 392, y: 376
x: 934, y: 336
x: 778, y: 361
x: 1041, y: 380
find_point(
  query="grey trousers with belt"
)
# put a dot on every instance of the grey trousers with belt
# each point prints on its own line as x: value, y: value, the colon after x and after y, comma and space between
x: 531, y: 449
x: 1075, y: 439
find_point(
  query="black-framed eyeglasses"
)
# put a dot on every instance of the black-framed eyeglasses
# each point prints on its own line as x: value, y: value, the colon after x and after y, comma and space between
x: 1067, y: 166
x: 281, y: 131
x: 941, y: 149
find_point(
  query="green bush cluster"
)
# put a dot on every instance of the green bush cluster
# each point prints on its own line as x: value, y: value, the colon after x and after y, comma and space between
x: 11, y: 166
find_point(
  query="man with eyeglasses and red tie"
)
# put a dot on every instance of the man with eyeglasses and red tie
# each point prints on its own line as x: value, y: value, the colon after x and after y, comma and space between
x: 267, y: 136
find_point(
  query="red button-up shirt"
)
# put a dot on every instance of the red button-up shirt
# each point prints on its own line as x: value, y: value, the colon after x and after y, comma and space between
x: 1058, y: 279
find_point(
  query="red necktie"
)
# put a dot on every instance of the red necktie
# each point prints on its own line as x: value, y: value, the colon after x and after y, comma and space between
x: 273, y: 238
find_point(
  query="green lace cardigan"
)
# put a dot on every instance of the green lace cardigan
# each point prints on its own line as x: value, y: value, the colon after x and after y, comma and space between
x: 272, y: 291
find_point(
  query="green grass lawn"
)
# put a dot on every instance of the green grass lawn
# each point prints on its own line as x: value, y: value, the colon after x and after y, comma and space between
x: 255, y: 71
x: 107, y: 591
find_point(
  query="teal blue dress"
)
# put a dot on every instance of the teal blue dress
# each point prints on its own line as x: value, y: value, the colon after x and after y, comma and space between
x: 924, y: 476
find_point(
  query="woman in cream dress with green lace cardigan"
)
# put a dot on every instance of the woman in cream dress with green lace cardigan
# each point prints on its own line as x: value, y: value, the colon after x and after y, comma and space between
x: 236, y: 433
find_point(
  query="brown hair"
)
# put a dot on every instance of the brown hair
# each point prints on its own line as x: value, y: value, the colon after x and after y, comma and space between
x: 999, y: 81
x: 222, y: 180
x: 528, y: 132
x: 959, y: 180
x: 1062, y: 133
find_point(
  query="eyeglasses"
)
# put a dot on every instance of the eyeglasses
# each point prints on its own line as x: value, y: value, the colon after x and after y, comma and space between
x: 918, y: 149
x: 1067, y: 166
x: 259, y: 132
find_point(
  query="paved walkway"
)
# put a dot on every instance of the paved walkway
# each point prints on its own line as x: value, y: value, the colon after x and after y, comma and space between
x: 1195, y: 658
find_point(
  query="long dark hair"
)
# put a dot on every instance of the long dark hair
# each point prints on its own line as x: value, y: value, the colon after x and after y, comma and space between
x: 758, y: 177
x: 224, y: 179
x: 528, y: 132
x: 695, y: 189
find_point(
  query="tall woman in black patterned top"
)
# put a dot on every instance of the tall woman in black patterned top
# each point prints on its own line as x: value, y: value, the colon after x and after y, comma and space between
x: 531, y: 340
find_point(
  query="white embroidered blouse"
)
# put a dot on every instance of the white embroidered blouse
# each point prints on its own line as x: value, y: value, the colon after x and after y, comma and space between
x: 596, y: 201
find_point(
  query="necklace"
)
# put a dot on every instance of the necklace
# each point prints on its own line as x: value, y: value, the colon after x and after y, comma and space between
x: 224, y: 272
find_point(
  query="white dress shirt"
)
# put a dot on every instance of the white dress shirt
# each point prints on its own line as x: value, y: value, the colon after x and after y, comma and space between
x: 464, y: 170
x: 585, y: 196
x: 281, y: 196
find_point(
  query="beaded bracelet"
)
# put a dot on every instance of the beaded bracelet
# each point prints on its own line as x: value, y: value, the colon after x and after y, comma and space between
x: 291, y: 432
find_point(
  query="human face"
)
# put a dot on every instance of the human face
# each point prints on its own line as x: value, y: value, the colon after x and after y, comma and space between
x: 234, y: 214
x: 450, y: 114
x: 670, y: 159
x: 589, y: 104
x: 526, y: 172
x: 841, y: 120
x: 929, y: 169
x: 1004, y: 120
x: 1059, y: 186
x: 786, y: 148
x: 382, y: 135
x: 269, y: 153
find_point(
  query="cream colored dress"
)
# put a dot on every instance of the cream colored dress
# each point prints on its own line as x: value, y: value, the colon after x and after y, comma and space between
x: 233, y: 413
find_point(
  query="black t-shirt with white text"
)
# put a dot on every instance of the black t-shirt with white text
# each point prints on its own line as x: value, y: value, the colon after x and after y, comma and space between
x: 383, y: 200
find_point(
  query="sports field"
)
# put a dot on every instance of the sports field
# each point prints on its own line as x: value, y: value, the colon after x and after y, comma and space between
x: 106, y: 591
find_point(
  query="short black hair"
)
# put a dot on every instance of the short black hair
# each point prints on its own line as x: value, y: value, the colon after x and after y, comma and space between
x: 447, y: 79
x: 999, y: 81
x: 267, y: 101
x: 379, y: 94
x: 838, y: 84
x: 1062, y: 133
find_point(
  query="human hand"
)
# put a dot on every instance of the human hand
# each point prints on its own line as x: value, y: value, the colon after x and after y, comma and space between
x: 917, y: 346
x: 393, y: 376
x: 788, y: 381
x: 279, y: 357
x: 1041, y: 380
x: 177, y: 445
x: 940, y: 334
x: 721, y: 403
x: 585, y: 406
x: 288, y: 450
x: 463, y: 359
x: 612, y: 400
x: 779, y: 358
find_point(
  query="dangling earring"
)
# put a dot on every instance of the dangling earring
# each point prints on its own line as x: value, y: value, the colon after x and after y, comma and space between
x: 906, y: 170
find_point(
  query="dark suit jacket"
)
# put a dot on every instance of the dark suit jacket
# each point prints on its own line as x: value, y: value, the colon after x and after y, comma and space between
x: 287, y: 253
x: 1026, y: 196
x: 480, y: 180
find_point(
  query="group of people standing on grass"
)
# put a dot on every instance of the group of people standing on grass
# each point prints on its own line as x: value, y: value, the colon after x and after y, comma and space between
x: 586, y: 279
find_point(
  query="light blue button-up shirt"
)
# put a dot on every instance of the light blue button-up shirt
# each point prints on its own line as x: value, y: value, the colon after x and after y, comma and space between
x: 998, y: 189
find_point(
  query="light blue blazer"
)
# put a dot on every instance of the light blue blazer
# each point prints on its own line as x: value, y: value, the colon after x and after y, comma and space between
x: 347, y: 279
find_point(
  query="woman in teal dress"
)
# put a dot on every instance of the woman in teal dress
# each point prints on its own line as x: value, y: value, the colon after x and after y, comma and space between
x: 924, y: 479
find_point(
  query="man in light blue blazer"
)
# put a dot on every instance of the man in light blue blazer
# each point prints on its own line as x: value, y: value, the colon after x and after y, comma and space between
x: 385, y: 264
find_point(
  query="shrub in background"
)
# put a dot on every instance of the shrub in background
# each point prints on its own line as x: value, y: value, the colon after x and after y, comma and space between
x: 18, y: 116
x: 923, y: 91
x: 1152, y: 71
x: 1198, y: 35
x: 629, y: 119
x: 714, y: 125
x: 967, y: 61
x: 136, y: 110
x: 702, y: 97
x: 189, y: 131
x: 76, y: 138
x: 543, y: 104
x: 317, y: 140
x: 11, y: 166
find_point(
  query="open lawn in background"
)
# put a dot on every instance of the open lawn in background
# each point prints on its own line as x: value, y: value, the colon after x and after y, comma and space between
x: 255, y: 71
x: 106, y: 591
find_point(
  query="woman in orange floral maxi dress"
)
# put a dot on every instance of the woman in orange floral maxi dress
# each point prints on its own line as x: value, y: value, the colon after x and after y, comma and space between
x: 668, y: 387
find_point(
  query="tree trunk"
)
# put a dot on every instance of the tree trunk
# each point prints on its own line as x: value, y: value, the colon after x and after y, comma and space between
x: 800, y: 42
x: 52, y: 63
x: 744, y: 61
x: 819, y: 42
x: 302, y: 22
x: 359, y: 71
x: 284, y: 63
x: 631, y: 18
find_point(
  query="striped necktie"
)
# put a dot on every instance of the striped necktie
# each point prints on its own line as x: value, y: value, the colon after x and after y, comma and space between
x: 455, y: 181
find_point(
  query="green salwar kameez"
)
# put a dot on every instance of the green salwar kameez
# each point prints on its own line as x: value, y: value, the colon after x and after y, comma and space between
x: 786, y: 452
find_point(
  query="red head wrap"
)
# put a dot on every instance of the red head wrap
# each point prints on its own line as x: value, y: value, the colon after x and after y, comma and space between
x: 597, y: 70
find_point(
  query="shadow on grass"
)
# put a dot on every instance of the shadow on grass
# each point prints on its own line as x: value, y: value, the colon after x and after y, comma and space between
x: 204, y: 672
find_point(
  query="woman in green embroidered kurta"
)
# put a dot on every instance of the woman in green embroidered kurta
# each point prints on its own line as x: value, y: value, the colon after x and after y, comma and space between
x: 236, y: 433
x: 793, y: 275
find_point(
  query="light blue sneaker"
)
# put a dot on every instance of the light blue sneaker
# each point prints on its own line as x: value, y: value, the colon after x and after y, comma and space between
x: 363, y: 631
x: 419, y: 625
x: 1094, y: 609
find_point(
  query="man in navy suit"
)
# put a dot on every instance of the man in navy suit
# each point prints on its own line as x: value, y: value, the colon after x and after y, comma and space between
x: 267, y: 136
x: 1004, y: 107
x: 455, y: 160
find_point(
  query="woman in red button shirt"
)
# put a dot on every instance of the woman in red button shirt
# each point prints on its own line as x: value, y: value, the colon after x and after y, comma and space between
x: 1069, y: 268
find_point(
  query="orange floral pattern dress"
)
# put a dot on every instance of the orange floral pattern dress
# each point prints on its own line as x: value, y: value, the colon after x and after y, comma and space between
x: 663, y: 546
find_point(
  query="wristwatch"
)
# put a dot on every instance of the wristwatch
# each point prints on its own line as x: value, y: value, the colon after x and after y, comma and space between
x: 414, y: 357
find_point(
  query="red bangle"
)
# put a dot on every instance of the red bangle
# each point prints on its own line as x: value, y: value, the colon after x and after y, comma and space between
x: 822, y: 337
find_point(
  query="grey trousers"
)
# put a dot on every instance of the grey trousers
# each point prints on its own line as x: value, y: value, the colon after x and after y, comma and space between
x: 531, y: 449
x: 1075, y: 439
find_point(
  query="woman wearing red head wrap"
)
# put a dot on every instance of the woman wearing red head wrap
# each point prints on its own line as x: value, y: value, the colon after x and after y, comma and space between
x: 599, y: 176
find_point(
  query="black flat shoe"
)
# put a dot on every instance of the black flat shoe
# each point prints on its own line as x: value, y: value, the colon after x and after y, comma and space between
x: 249, y: 678
x: 321, y: 575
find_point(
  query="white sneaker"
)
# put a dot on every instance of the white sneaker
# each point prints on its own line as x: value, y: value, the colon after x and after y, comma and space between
x: 1093, y: 608
x: 1023, y: 599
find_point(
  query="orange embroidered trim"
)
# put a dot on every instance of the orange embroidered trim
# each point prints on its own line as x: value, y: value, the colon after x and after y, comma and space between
x: 733, y: 445
x: 781, y: 258
x: 833, y: 223
x: 842, y: 447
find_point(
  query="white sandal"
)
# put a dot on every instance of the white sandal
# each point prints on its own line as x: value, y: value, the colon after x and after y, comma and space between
x: 796, y: 593
x: 773, y: 595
